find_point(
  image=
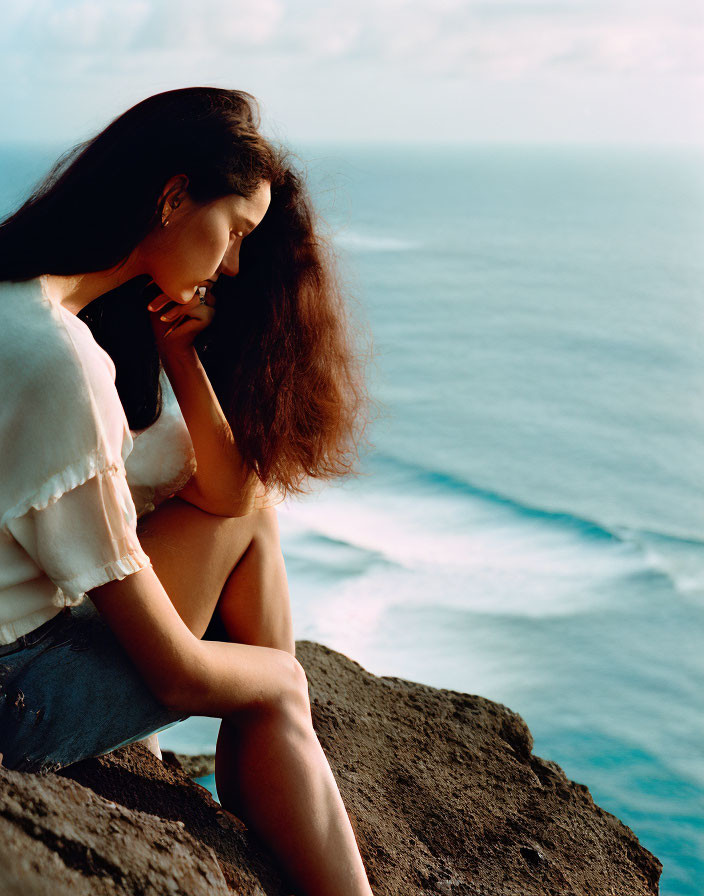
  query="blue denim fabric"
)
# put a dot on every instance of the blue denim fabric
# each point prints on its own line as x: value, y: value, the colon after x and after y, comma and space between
x: 69, y: 691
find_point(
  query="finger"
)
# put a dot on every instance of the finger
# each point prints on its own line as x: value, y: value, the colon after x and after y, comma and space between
x: 194, y: 305
x: 178, y: 310
x: 202, y: 315
x: 171, y: 329
x: 163, y: 300
x: 196, y: 311
x: 158, y: 303
x: 186, y: 325
x: 172, y: 314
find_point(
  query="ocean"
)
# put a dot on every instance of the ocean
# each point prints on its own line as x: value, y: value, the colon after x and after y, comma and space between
x: 529, y: 525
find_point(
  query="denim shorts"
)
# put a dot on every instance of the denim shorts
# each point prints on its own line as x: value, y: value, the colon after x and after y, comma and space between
x: 68, y: 691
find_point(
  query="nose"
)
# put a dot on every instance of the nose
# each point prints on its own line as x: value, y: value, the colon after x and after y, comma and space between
x: 230, y: 263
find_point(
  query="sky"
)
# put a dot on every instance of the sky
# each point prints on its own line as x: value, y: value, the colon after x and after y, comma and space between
x: 442, y: 71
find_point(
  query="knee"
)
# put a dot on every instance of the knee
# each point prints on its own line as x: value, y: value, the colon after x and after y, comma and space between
x: 295, y: 695
x: 290, y: 701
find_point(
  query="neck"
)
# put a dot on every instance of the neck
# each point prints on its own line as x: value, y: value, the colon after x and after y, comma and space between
x: 75, y: 291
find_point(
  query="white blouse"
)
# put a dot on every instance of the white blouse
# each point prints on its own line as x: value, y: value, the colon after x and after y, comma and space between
x: 67, y: 515
x: 162, y: 459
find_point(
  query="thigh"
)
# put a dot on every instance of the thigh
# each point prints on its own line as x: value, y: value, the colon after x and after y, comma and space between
x: 193, y: 554
x: 72, y: 695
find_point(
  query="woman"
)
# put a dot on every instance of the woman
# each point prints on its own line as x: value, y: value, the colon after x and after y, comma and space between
x: 101, y: 623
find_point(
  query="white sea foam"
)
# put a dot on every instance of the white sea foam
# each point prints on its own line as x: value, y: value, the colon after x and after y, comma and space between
x: 680, y: 560
x: 460, y: 551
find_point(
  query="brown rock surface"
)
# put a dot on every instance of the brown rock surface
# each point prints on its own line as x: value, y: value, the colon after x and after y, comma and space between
x: 60, y: 839
x: 442, y: 788
x: 446, y: 796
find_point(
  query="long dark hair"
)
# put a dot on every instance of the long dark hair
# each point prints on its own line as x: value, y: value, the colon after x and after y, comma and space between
x: 281, y: 353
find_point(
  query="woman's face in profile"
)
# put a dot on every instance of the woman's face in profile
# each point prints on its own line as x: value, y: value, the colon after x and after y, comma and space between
x: 201, y: 241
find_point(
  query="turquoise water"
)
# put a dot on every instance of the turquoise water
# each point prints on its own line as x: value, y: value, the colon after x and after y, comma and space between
x: 531, y: 525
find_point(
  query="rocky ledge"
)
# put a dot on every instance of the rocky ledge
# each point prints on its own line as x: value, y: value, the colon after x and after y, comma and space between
x: 444, y: 794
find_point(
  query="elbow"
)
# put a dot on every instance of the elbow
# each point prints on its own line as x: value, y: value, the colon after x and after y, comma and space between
x: 222, y: 504
x: 232, y: 495
x: 239, y: 497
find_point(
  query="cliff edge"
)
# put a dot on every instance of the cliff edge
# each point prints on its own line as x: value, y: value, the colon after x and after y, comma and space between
x: 442, y: 788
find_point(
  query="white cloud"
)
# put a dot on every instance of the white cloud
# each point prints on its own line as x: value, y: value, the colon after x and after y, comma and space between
x: 505, y: 39
x: 312, y: 55
x: 51, y: 27
x: 132, y: 25
x: 210, y: 25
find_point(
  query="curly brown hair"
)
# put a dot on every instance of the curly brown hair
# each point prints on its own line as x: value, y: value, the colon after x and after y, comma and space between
x: 284, y: 358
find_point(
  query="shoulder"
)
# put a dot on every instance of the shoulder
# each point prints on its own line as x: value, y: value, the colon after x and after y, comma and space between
x: 63, y: 382
x: 61, y: 419
x: 46, y: 350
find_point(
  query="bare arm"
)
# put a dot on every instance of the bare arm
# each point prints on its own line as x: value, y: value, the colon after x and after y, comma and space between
x: 195, y: 677
x: 223, y: 483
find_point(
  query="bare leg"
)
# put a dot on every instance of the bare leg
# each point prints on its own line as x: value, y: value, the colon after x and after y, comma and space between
x: 277, y: 778
x: 270, y: 767
x: 254, y: 605
x: 152, y: 744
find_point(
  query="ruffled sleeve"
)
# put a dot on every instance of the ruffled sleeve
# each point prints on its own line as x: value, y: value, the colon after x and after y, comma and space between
x: 85, y: 537
x: 64, y: 439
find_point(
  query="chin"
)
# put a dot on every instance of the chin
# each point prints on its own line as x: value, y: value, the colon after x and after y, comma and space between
x: 182, y: 296
x: 175, y: 292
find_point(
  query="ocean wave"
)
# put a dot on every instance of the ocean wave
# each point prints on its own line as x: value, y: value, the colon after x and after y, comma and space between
x: 364, y: 242
x: 426, y: 478
x: 415, y: 531
x: 343, y: 556
x: 676, y: 557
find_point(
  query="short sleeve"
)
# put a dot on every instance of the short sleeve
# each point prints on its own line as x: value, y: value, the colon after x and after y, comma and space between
x: 64, y: 439
x: 86, y: 537
x: 61, y: 421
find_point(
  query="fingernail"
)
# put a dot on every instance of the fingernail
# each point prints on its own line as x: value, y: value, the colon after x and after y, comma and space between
x: 164, y: 317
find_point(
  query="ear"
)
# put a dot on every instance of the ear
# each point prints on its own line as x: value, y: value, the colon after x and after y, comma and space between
x: 173, y: 193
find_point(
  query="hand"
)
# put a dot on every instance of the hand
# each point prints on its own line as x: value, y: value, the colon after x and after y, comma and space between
x: 175, y: 325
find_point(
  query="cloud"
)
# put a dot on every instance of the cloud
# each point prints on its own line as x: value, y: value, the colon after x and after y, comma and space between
x: 459, y: 38
x: 64, y: 27
x: 210, y: 25
x: 92, y: 57
x: 179, y: 26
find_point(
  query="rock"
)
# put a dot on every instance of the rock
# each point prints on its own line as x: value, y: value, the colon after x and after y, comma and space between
x: 193, y: 766
x: 60, y: 839
x: 133, y: 777
x: 442, y: 788
x: 446, y: 797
